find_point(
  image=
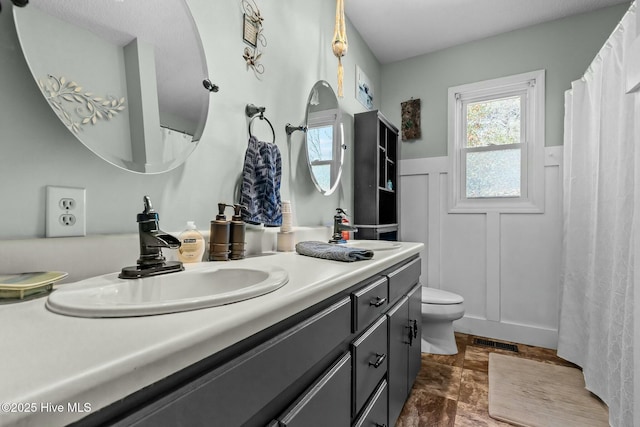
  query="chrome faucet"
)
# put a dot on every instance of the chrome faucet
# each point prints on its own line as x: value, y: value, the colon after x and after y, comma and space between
x: 152, y: 240
x: 339, y: 226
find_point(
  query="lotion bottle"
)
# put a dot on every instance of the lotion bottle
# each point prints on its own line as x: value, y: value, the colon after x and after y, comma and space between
x: 191, y: 244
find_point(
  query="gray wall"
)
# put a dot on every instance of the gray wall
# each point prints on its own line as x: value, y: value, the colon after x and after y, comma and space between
x: 565, y: 48
x: 37, y: 150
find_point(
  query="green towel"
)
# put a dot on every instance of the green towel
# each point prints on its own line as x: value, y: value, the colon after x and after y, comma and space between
x: 333, y: 251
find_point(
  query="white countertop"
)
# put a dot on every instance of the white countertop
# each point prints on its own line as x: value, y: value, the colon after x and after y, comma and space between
x: 47, y: 359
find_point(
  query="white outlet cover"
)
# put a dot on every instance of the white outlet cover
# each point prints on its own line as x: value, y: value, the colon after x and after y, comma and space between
x: 55, y: 212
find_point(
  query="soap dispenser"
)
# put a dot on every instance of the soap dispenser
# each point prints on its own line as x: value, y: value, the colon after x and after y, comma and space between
x: 219, y: 238
x: 237, y: 233
x: 191, y: 244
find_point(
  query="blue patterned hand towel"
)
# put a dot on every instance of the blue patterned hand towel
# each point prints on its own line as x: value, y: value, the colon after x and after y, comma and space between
x: 261, y: 177
x: 332, y: 251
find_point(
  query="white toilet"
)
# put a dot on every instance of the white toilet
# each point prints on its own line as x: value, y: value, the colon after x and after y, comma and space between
x: 439, y: 310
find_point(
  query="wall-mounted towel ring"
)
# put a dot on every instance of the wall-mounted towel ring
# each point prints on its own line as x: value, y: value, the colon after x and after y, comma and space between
x: 253, y: 112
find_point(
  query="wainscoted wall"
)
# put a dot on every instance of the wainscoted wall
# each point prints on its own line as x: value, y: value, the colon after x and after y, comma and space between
x: 506, y: 266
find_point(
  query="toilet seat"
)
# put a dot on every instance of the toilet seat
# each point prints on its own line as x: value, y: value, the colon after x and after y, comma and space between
x: 440, y: 297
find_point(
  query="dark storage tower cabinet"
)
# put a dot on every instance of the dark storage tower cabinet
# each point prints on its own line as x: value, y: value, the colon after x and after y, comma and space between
x: 376, y: 203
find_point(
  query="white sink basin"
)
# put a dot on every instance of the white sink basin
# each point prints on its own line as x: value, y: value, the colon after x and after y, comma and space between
x: 197, y: 287
x: 373, y: 245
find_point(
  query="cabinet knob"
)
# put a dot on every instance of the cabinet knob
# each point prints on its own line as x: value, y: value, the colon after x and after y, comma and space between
x: 378, y: 302
x: 379, y: 359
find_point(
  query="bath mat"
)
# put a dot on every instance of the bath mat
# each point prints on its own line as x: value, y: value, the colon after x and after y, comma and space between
x: 531, y: 394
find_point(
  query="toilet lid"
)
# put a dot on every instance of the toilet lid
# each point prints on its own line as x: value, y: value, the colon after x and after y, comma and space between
x: 438, y: 296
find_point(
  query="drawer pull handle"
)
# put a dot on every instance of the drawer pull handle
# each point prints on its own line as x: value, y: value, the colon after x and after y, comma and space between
x: 378, y: 302
x: 381, y: 425
x: 379, y: 360
x: 415, y: 329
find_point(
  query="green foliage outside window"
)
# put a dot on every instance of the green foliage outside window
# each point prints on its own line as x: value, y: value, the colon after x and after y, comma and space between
x: 495, y: 122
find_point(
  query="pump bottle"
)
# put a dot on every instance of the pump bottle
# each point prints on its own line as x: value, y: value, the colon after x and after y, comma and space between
x: 237, y: 233
x: 219, y: 238
x: 191, y: 244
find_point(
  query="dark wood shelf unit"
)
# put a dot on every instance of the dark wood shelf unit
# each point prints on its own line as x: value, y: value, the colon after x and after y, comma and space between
x: 376, y: 205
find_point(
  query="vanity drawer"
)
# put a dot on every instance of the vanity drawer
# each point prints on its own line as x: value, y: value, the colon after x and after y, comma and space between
x: 236, y: 391
x: 369, y: 303
x: 369, y: 361
x: 403, y: 279
x: 326, y: 402
x: 375, y: 413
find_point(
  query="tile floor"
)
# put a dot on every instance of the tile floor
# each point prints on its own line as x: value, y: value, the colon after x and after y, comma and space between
x: 452, y: 391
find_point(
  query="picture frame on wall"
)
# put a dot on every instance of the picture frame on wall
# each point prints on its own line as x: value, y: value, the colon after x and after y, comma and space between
x: 410, y: 114
x: 250, y: 31
x: 364, y: 89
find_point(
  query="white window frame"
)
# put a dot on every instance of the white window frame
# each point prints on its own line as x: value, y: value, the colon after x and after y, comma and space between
x: 330, y: 117
x: 531, y: 87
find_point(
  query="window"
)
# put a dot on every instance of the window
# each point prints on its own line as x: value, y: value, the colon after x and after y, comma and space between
x: 321, y: 127
x: 496, y: 145
x: 321, y: 154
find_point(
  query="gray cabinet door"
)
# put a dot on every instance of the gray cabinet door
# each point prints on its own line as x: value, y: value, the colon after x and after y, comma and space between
x: 415, y: 323
x: 326, y: 403
x: 398, y: 359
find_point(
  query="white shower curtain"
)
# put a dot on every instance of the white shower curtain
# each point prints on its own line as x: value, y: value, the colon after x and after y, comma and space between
x: 596, y: 316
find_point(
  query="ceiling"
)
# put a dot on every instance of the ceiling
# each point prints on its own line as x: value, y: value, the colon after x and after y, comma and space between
x: 400, y: 29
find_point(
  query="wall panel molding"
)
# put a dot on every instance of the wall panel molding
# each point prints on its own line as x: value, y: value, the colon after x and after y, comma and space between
x: 503, y: 284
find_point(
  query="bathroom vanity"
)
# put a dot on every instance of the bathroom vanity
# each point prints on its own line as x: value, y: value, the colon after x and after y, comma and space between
x: 338, y: 345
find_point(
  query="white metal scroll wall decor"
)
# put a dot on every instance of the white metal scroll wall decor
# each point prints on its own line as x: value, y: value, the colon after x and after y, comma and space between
x: 253, y: 36
x: 339, y: 44
x: 90, y: 108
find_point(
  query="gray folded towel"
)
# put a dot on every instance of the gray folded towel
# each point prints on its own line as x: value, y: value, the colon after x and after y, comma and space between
x: 332, y: 251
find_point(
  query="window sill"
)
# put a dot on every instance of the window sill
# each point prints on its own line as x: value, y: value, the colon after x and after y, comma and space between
x: 521, y: 206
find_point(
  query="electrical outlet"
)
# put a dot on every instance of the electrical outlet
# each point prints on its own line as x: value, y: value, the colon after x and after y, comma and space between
x: 65, y: 212
x: 67, y: 220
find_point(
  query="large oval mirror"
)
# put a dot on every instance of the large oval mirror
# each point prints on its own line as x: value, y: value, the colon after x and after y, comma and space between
x: 125, y: 77
x: 324, y: 136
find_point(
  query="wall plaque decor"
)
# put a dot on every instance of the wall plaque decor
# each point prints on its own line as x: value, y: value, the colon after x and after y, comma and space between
x: 410, y: 111
x: 253, y: 36
x: 250, y: 31
x: 364, y: 89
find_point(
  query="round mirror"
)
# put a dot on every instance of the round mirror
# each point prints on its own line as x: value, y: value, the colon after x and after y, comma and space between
x: 324, y: 136
x: 125, y: 77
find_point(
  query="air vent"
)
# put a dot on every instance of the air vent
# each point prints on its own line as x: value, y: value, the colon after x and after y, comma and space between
x: 495, y: 344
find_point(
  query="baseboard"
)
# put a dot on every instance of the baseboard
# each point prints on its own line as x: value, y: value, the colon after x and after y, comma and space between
x: 523, y: 334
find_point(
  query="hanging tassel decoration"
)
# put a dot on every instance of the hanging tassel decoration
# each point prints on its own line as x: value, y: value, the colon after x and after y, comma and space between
x: 339, y: 44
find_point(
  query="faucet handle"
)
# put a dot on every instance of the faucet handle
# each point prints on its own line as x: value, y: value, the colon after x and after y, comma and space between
x: 341, y: 211
x: 148, y: 214
x: 148, y: 208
